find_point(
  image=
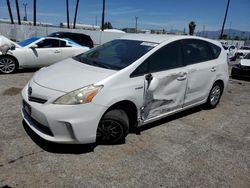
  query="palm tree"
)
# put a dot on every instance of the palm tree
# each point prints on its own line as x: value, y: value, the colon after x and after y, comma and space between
x: 10, y: 12
x: 223, y: 25
x: 192, y: 26
x: 18, y: 13
x: 77, y: 2
x: 103, y: 13
x: 34, y: 13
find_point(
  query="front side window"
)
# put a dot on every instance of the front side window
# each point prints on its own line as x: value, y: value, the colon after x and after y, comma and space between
x: 49, y: 43
x: 195, y: 51
x: 168, y: 57
x: 116, y: 54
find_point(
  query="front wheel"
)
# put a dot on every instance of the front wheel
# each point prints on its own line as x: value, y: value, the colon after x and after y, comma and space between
x: 113, y: 127
x: 214, y: 95
x: 8, y: 64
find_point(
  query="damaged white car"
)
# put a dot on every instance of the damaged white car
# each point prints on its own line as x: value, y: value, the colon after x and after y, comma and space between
x: 123, y: 84
x: 35, y: 52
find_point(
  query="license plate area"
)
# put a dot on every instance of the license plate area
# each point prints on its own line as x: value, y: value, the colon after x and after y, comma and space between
x: 26, y: 107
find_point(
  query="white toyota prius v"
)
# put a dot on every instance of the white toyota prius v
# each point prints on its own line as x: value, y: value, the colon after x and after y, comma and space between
x: 101, y: 94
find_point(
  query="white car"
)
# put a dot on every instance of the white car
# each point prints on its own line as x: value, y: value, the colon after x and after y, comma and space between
x: 244, y: 50
x: 126, y: 83
x: 231, y: 51
x: 36, y: 52
x: 243, y: 68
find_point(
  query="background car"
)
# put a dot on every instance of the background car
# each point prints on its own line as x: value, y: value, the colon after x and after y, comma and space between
x: 123, y: 84
x: 243, y: 68
x: 244, y: 50
x: 231, y: 51
x: 38, y: 52
x: 80, y: 38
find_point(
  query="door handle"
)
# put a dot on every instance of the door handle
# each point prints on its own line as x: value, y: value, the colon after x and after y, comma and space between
x: 213, y: 69
x: 182, y: 76
x: 57, y: 51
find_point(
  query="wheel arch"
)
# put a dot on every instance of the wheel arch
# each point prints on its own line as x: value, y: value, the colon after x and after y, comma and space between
x: 130, y: 109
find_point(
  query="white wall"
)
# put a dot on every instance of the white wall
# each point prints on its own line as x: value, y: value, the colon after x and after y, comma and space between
x: 21, y: 32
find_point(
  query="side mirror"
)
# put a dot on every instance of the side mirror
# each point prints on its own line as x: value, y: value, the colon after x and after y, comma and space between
x: 13, y: 47
x: 33, y: 46
x: 153, y: 84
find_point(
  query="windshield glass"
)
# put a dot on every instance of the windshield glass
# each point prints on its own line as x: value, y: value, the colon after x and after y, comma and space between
x: 245, y: 48
x: 247, y: 56
x: 28, y: 41
x: 116, y: 54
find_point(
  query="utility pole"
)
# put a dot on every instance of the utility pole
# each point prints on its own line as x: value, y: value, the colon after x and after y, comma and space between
x: 18, y: 13
x: 34, y: 13
x: 136, y: 20
x: 77, y: 2
x: 103, y: 13
x: 25, y: 11
x: 223, y: 25
x: 95, y: 20
x: 10, y: 12
x: 67, y: 11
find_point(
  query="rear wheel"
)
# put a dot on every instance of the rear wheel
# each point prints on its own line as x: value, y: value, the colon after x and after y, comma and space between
x: 214, y: 95
x: 8, y: 64
x: 113, y: 127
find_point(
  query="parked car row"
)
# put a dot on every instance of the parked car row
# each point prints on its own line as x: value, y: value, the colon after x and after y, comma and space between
x: 234, y: 53
x: 120, y: 85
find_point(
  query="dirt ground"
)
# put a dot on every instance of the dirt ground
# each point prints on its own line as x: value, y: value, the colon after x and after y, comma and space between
x: 195, y: 148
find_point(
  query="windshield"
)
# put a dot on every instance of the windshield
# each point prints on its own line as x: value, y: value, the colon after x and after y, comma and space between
x: 28, y: 41
x: 245, y: 48
x: 116, y: 54
x: 247, y: 56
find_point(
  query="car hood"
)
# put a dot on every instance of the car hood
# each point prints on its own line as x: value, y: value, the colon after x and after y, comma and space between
x: 245, y: 62
x: 69, y: 75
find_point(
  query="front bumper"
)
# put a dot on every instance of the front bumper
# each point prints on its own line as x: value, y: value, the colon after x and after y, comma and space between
x: 240, y: 72
x: 62, y: 123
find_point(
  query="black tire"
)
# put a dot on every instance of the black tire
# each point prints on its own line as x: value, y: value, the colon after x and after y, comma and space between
x: 113, y: 127
x: 214, y: 95
x: 8, y: 64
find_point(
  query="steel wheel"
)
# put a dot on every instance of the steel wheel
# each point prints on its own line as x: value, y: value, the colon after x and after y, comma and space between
x: 7, y: 65
x: 113, y: 127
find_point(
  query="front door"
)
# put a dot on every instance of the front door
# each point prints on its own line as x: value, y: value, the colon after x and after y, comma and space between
x: 165, y: 83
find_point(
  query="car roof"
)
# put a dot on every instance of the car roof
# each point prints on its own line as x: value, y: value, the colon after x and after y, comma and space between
x: 154, y: 38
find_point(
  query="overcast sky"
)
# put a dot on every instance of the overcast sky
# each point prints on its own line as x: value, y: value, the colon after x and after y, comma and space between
x: 152, y: 14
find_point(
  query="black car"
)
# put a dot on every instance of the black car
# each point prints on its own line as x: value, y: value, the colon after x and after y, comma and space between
x: 82, y: 39
x: 243, y: 68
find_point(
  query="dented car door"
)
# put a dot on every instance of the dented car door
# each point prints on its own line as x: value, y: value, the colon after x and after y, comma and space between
x: 165, y: 83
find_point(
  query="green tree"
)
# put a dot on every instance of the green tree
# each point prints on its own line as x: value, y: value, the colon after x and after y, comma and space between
x: 107, y: 25
x: 191, y: 26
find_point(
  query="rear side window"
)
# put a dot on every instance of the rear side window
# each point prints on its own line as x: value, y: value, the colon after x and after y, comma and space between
x: 196, y: 51
x: 215, y: 50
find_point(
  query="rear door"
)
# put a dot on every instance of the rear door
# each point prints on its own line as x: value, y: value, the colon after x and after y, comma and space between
x: 201, y: 70
x: 165, y: 83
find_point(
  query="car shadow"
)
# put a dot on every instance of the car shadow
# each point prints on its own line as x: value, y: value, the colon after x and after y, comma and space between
x: 27, y: 70
x: 58, y: 148
x: 87, y: 148
x: 240, y: 78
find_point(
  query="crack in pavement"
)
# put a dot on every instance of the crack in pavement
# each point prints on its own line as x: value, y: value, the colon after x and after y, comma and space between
x: 21, y: 157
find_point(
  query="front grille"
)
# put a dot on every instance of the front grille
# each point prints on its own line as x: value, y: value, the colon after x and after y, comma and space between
x: 41, y: 127
x: 38, y: 100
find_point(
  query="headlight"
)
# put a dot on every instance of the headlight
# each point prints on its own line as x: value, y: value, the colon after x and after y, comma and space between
x: 79, y: 96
